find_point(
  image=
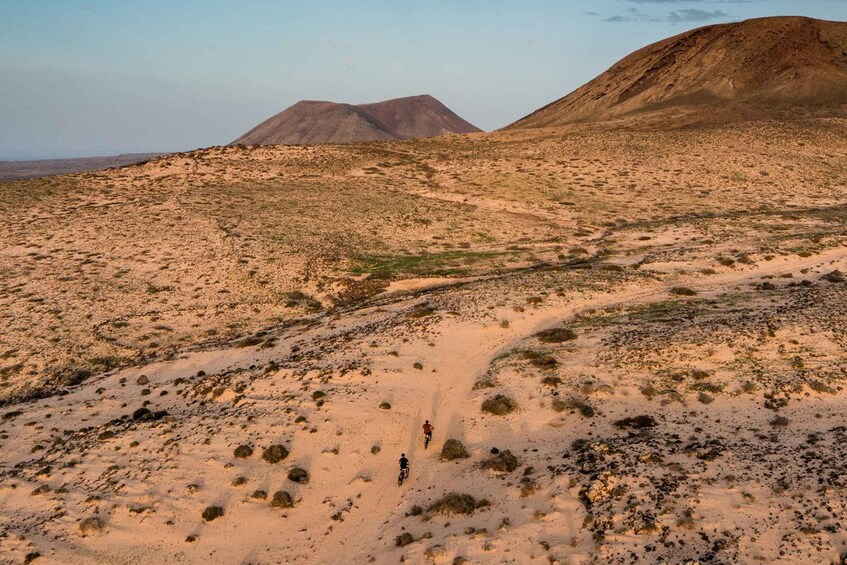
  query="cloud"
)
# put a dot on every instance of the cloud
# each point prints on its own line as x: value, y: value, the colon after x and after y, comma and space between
x: 695, y: 15
x: 674, y: 17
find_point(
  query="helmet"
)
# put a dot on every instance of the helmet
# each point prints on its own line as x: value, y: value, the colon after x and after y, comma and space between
x: 427, y: 421
x: 402, y: 455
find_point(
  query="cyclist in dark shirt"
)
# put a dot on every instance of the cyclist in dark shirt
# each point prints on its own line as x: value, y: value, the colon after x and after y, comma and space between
x: 404, y: 463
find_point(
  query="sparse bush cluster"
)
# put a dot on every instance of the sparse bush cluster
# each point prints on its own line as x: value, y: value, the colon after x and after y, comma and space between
x: 556, y: 335
x: 453, y: 449
x: 455, y: 503
x: 562, y: 404
x: 501, y: 461
x: 275, y: 453
x: 499, y: 405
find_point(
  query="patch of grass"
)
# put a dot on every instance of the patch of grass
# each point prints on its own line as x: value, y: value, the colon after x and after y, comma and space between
x: 446, y: 263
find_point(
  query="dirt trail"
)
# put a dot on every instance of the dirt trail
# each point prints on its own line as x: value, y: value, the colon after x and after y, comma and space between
x: 462, y: 354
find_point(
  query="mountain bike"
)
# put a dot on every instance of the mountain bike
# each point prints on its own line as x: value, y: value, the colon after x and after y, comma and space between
x: 404, y: 474
x: 427, y: 439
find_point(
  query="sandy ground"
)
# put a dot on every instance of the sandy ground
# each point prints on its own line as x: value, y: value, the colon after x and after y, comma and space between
x: 689, y: 409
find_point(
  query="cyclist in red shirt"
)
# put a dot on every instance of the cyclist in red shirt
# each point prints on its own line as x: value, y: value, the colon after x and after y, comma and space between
x: 427, y: 428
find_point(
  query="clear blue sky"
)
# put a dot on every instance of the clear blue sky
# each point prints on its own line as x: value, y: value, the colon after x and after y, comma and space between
x: 103, y: 77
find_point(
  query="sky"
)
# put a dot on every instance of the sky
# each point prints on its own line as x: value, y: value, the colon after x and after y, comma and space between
x: 92, y: 77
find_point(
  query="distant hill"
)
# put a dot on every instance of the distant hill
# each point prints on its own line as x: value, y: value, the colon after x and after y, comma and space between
x: 756, y: 69
x: 16, y: 170
x: 309, y: 122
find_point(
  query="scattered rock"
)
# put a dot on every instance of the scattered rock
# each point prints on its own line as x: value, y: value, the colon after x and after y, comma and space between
x: 142, y: 380
x: 259, y: 495
x: 242, y: 451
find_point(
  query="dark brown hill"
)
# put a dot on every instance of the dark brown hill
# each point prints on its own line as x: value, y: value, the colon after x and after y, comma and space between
x: 756, y: 69
x: 309, y: 122
x: 418, y: 116
x: 317, y: 122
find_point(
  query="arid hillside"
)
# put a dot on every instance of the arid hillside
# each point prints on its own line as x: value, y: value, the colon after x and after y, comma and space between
x: 309, y: 122
x: 767, y: 68
x: 630, y: 343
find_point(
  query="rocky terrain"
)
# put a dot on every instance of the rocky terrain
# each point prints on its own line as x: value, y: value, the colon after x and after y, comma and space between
x: 311, y: 121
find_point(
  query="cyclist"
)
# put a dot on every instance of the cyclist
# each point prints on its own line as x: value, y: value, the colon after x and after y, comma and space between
x: 404, y: 464
x: 427, y: 428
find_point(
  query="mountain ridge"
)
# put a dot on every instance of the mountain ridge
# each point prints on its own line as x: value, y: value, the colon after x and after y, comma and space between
x: 318, y: 121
